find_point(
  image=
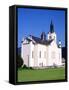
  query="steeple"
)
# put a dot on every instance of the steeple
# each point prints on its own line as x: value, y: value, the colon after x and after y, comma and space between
x: 52, y: 35
x: 51, y: 27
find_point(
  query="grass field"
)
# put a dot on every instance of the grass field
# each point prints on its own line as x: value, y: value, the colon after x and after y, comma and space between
x: 41, y: 74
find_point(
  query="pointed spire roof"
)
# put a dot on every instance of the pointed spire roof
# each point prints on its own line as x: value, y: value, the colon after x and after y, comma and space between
x: 51, y: 27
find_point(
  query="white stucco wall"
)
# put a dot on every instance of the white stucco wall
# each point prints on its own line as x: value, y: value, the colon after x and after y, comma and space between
x: 25, y: 50
x: 49, y: 60
x: 26, y: 54
x: 54, y: 57
x: 53, y: 54
x: 60, y: 56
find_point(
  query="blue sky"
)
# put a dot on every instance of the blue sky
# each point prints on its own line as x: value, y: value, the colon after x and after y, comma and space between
x: 35, y: 21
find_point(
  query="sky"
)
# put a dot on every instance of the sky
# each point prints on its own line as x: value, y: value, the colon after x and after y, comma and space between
x: 35, y: 21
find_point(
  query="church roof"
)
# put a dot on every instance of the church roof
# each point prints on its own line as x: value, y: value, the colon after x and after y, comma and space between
x: 28, y: 39
x: 38, y: 40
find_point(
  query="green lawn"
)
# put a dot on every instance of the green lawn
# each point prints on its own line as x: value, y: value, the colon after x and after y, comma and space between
x: 41, y: 74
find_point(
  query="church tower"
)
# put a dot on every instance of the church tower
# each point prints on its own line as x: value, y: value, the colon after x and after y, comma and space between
x: 51, y: 34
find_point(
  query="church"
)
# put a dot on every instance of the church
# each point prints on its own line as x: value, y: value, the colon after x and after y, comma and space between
x: 42, y: 51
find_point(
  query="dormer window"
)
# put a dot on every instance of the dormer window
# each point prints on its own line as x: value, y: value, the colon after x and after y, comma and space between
x: 43, y: 36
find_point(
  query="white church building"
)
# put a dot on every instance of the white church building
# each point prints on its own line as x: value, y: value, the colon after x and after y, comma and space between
x: 42, y: 51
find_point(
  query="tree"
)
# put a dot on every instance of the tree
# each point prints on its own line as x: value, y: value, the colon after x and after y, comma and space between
x: 19, y: 61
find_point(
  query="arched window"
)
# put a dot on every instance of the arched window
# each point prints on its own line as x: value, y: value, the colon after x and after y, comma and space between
x: 40, y: 54
x: 32, y: 54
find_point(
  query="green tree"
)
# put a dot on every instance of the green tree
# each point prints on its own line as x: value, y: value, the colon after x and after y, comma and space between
x: 19, y: 61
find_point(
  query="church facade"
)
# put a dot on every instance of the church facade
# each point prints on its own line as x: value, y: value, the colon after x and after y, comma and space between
x: 42, y: 52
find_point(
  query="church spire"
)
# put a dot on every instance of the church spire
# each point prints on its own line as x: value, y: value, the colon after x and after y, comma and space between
x: 51, y: 27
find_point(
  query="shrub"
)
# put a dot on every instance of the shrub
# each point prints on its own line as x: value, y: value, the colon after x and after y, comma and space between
x: 30, y: 68
x: 25, y: 67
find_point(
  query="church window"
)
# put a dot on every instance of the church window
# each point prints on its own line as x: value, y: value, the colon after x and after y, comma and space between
x: 40, y: 54
x: 32, y: 54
